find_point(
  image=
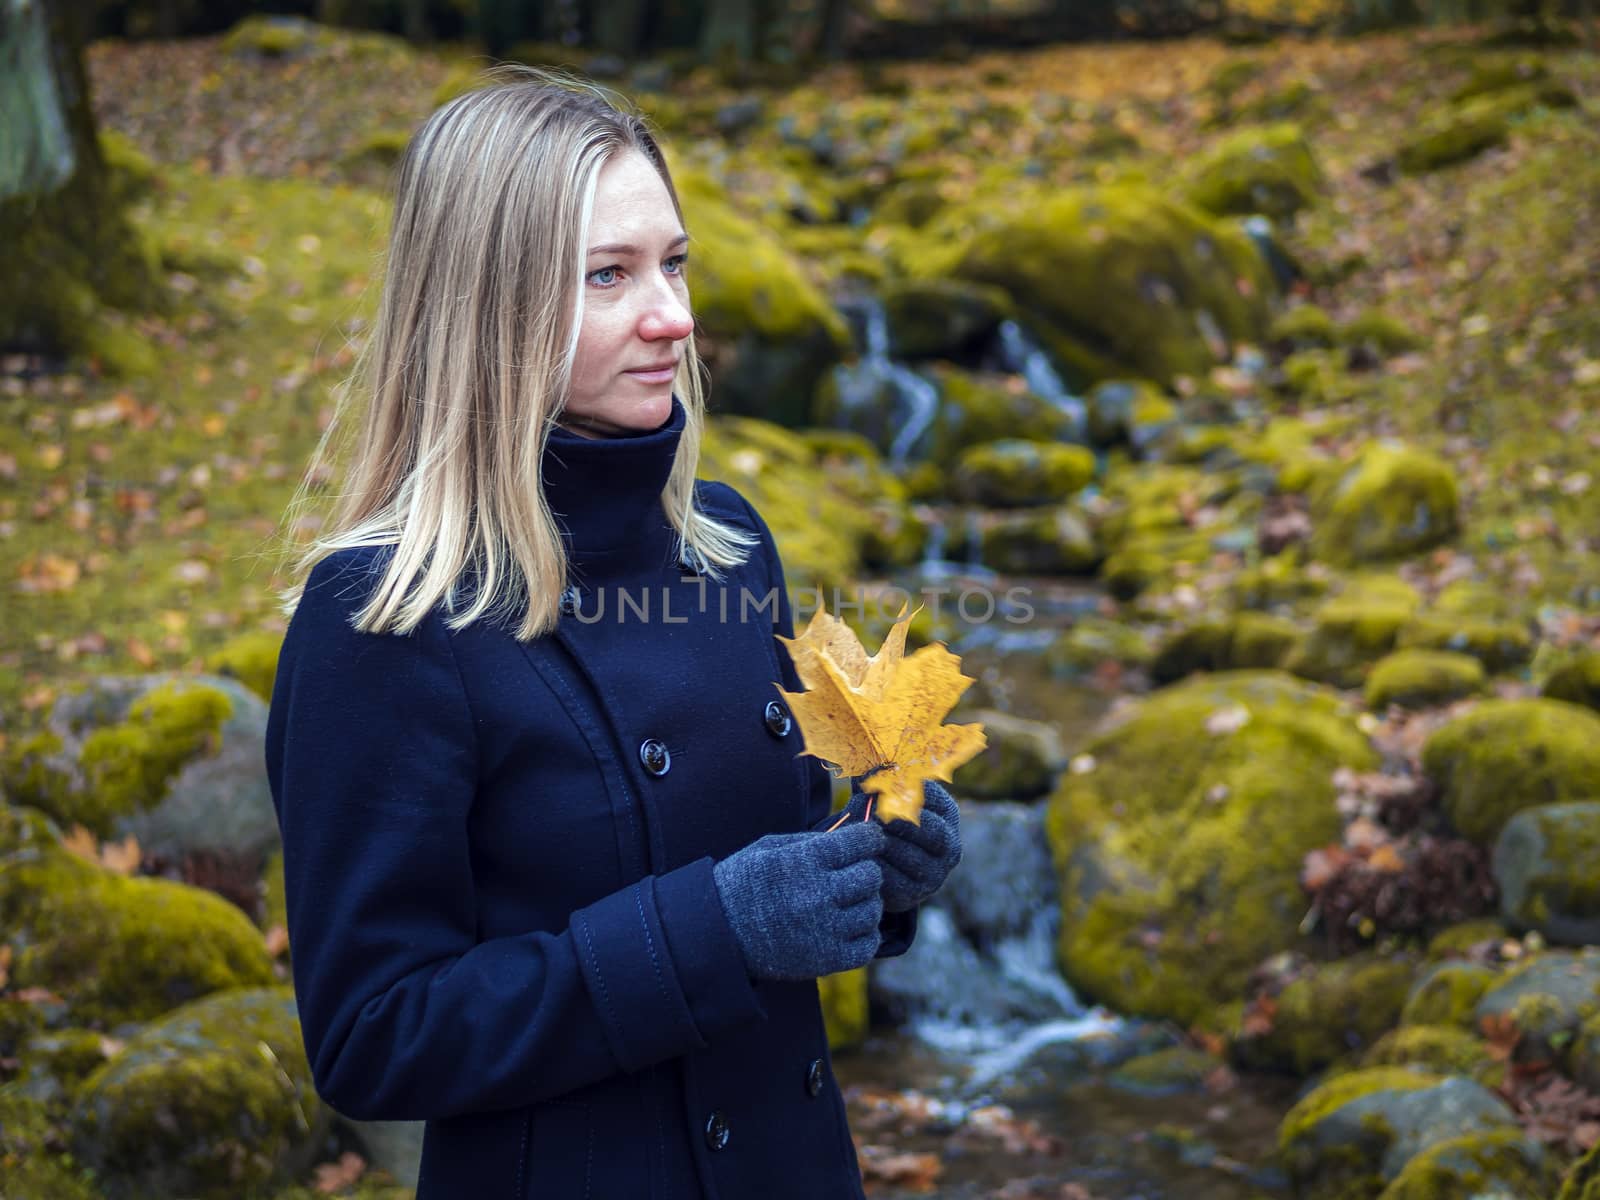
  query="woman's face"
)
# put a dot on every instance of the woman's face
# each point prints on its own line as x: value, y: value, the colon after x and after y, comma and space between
x: 635, y: 305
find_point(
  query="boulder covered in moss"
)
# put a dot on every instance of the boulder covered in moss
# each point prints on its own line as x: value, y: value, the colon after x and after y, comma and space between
x: 1179, y: 850
x: 31, y: 1160
x: 1454, y: 134
x: 942, y: 318
x: 172, y: 759
x: 1390, y: 501
x: 1352, y: 1136
x: 1020, y: 762
x: 1447, y: 994
x: 1577, y: 680
x: 1423, y: 679
x: 1348, y: 636
x: 1096, y: 645
x: 1547, y: 865
x: 769, y: 333
x: 1166, y: 1072
x: 1499, y: 645
x: 214, y: 1100
x: 251, y: 658
x: 1442, y: 1049
x: 1054, y: 540
x: 116, y: 948
x: 1508, y: 755
x: 1503, y: 1163
x: 1015, y: 472
x: 1304, y: 327
x: 1245, y: 641
x: 1378, y: 334
x: 1268, y: 170
x: 1118, y: 281
x: 1329, y: 1011
x: 1547, y: 999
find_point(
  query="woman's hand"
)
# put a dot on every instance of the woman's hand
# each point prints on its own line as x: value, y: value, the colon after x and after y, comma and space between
x: 916, y: 859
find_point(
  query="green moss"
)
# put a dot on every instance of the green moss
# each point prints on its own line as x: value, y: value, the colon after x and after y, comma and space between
x: 1458, y: 940
x: 1163, y: 1072
x: 941, y: 317
x: 1507, y: 755
x: 1446, y: 995
x: 1171, y: 893
x: 1328, y: 1012
x: 1054, y: 540
x: 1304, y: 326
x: 117, y: 948
x: 844, y: 1007
x: 274, y: 37
x: 1380, y: 333
x: 1247, y: 641
x: 1582, y: 1181
x: 1393, y: 500
x: 1423, y: 678
x: 30, y: 1155
x: 1445, y: 1049
x: 1499, y: 645
x: 1267, y: 170
x: 1020, y: 762
x: 1498, y: 74
x: 1129, y: 411
x: 1112, y: 278
x: 1576, y: 681
x: 1018, y: 472
x: 1503, y: 1163
x: 213, y: 1100
x: 1454, y: 135
x: 1276, y: 582
x: 1090, y: 644
x: 1347, y: 636
x: 1298, y: 1144
x: 251, y: 658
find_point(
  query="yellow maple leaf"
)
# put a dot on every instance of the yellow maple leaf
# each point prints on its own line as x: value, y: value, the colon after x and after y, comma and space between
x: 881, y: 714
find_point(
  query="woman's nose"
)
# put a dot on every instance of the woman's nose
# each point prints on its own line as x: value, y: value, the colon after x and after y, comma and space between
x: 667, y: 316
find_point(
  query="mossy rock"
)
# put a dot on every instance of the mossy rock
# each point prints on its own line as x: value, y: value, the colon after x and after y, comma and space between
x: 1472, y: 598
x: 1498, y: 74
x: 1020, y: 762
x: 1056, y: 540
x: 1095, y: 644
x: 1330, y: 1011
x: 1014, y: 472
x: 1454, y: 135
x: 1353, y: 1135
x: 251, y: 658
x: 1576, y: 681
x: 1502, y: 1163
x: 942, y: 318
x: 54, y: 1064
x: 214, y: 1100
x: 1305, y: 326
x: 1423, y: 679
x: 1545, y: 863
x: 1442, y: 1049
x: 844, y: 1008
x: 770, y: 334
x: 1508, y: 755
x: 1119, y: 281
x: 1380, y: 334
x: 1132, y: 412
x: 276, y: 37
x: 1148, y: 560
x: 1245, y: 641
x: 1268, y: 170
x: 1498, y: 645
x: 1546, y: 999
x: 1391, y: 501
x: 116, y: 948
x: 31, y: 1157
x: 1583, y: 1057
x: 1447, y: 994
x: 1459, y: 940
x: 1348, y: 635
x: 1277, y: 582
x: 1165, y: 1072
x: 1170, y: 893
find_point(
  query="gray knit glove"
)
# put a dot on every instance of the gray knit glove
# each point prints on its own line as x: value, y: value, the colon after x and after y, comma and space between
x: 804, y: 905
x: 916, y: 858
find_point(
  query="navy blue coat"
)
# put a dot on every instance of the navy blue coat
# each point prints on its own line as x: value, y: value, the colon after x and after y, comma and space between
x: 497, y: 861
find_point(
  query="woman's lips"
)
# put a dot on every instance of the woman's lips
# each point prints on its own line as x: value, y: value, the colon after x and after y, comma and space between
x: 662, y: 376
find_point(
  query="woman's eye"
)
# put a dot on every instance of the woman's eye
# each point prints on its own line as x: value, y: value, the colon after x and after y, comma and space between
x: 682, y: 260
x: 595, y: 276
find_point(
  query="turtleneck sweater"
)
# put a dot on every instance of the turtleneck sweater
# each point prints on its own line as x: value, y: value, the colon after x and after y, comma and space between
x: 605, y: 494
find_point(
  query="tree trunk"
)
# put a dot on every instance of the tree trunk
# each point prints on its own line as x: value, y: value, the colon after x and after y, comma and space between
x: 69, y: 247
x: 618, y: 25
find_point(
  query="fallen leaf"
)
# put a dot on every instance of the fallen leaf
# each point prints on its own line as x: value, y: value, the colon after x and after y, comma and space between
x: 277, y: 939
x: 82, y: 843
x: 5, y: 963
x: 1229, y: 719
x: 336, y: 1176
x: 122, y: 857
x: 880, y: 714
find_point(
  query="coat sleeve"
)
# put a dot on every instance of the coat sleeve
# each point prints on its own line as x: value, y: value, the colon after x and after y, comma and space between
x: 406, y: 1013
x: 897, y: 929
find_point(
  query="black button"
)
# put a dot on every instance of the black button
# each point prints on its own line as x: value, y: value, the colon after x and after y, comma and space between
x: 717, y: 1131
x: 569, y: 601
x: 814, y: 1077
x: 778, y: 720
x: 654, y: 756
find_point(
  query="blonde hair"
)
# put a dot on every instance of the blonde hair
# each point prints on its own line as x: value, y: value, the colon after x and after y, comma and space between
x: 470, y: 359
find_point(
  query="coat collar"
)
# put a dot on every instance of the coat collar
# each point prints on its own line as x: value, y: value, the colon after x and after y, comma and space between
x: 606, y: 492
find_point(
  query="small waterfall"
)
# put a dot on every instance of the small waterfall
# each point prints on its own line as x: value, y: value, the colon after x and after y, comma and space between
x: 862, y: 383
x: 1020, y: 353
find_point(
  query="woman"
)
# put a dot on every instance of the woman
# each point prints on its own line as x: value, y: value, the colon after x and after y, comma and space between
x: 558, y: 881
